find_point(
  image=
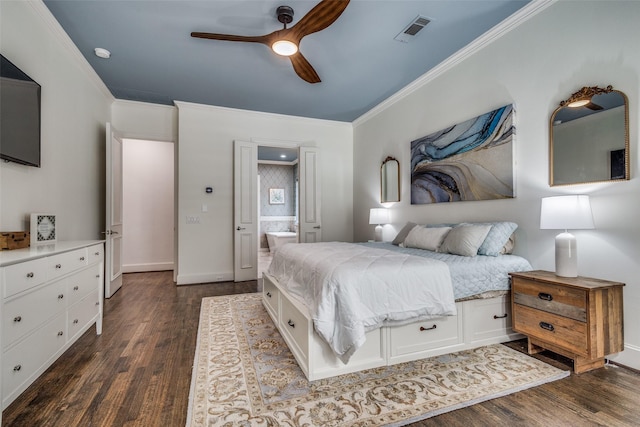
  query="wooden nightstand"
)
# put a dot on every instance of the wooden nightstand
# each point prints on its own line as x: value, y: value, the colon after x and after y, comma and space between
x: 580, y: 317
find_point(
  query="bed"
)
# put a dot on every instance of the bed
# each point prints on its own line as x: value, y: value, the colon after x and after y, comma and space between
x: 345, y: 307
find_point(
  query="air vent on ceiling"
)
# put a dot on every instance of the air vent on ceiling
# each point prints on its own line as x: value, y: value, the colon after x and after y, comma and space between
x: 412, y: 29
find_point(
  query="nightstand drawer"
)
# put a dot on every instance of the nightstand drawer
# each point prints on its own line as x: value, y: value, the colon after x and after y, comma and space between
x: 560, y: 300
x: 561, y: 331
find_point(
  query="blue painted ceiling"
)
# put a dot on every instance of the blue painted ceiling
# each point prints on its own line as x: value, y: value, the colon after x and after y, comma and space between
x: 154, y: 59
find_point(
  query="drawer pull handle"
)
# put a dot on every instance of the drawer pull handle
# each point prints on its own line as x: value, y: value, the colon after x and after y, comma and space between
x: 547, y: 326
x: 17, y: 318
x: 290, y: 323
x: 97, y: 276
x: 545, y: 296
x: 30, y: 275
x: 60, y: 296
x: 269, y: 294
x: 17, y: 368
x: 60, y: 333
x: 81, y: 258
x: 97, y: 253
x: 504, y: 316
x: 75, y: 288
x: 75, y: 321
x: 422, y: 328
x: 58, y: 266
x: 97, y: 302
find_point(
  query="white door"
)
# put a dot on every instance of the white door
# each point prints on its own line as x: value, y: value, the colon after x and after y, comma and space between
x: 113, y: 226
x: 245, y: 222
x: 310, y: 230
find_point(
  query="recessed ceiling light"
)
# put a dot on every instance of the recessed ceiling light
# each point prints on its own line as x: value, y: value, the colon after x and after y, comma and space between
x: 102, y: 53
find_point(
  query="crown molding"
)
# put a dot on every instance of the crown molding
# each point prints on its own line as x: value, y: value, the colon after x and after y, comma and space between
x: 58, y: 32
x: 510, y: 23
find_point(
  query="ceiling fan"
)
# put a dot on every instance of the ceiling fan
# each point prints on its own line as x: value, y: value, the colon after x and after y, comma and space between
x: 286, y: 42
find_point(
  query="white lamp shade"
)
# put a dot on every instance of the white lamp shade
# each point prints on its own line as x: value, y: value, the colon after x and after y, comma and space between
x: 566, y: 212
x: 379, y: 216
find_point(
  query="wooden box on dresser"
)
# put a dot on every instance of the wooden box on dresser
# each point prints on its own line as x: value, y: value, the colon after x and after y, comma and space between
x: 51, y: 295
x: 578, y: 317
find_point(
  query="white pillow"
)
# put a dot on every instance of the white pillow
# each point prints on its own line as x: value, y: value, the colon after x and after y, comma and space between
x: 465, y: 239
x: 426, y: 238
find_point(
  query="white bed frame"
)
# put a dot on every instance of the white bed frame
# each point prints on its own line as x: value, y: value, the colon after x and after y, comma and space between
x: 479, y: 322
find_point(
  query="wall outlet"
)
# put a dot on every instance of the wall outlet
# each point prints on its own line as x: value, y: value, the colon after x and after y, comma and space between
x: 193, y: 219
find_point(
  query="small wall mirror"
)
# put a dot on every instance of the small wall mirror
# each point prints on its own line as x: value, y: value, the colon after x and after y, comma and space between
x: 390, y: 180
x: 589, y: 138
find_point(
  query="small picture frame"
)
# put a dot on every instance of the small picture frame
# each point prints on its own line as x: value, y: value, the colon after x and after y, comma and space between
x: 43, y: 228
x: 276, y: 196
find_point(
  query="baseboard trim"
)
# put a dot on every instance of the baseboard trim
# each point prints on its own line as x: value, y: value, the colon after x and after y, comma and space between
x: 147, y: 267
x: 193, y: 279
x: 629, y: 357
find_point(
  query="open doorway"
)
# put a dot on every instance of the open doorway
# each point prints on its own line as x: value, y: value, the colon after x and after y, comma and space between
x: 148, y: 206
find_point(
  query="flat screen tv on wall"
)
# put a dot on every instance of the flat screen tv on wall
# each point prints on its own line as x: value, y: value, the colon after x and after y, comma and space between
x: 19, y: 116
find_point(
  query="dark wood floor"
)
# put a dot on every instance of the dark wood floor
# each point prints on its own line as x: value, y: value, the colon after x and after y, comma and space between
x: 138, y: 373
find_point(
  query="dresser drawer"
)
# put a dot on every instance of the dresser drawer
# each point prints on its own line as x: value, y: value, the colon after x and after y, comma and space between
x: 61, y: 264
x: 271, y: 297
x: 562, y: 331
x: 560, y: 300
x: 426, y: 335
x: 82, y: 283
x: 23, y: 314
x: 21, y: 362
x: 23, y: 276
x: 294, y: 324
x: 82, y: 312
x: 95, y: 253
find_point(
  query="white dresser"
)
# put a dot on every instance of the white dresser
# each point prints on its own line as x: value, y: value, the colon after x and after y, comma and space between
x: 51, y: 295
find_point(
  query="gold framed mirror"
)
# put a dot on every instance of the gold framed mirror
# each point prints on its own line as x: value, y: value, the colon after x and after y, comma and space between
x: 589, y: 138
x: 390, y: 180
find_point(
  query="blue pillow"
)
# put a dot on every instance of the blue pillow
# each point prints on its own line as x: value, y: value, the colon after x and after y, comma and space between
x: 498, y: 237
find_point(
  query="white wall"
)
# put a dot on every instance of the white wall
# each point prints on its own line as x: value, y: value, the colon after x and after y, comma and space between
x: 148, y: 205
x: 206, y: 135
x: 535, y: 66
x: 75, y: 107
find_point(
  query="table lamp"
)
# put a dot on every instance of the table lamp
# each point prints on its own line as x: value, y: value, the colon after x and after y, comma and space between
x: 379, y: 216
x: 566, y: 212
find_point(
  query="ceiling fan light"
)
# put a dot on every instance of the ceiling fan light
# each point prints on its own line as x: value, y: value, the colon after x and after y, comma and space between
x: 579, y: 103
x: 284, y: 47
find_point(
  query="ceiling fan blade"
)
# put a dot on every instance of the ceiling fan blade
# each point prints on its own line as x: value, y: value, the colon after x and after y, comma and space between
x: 320, y: 17
x: 303, y: 68
x: 232, y: 38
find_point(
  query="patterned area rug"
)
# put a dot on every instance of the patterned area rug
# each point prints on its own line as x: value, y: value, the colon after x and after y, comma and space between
x: 244, y: 375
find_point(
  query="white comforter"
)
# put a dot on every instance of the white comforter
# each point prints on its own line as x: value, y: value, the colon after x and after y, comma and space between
x: 351, y: 289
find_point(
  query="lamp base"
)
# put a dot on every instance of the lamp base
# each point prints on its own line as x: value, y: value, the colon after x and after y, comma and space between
x: 566, y: 255
x: 378, y: 235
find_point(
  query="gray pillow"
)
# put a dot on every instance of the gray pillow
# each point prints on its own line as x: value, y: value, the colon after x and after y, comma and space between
x: 426, y: 238
x: 465, y: 239
x: 403, y: 233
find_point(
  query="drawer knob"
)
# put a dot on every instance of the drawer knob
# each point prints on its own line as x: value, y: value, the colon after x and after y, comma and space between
x: 290, y: 323
x: 60, y: 333
x: 422, y: 328
x: 30, y: 275
x: 547, y: 326
x: 269, y: 294
x: 58, y: 266
x: 17, y: 368
x: 545, y: 296
x: 96, y: 253
x: 17, y: 318
x: 97, y: 302
x: 60, y: 296
x: 504, y: 316
x: 75, y: 288
x: 81, y: 258
x: 75, y: 321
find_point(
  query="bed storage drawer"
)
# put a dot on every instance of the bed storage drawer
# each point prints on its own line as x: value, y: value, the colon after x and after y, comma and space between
x: 295, y: 325
x: 270, y: 297
x: 426, y: 335
x: 486, y: 319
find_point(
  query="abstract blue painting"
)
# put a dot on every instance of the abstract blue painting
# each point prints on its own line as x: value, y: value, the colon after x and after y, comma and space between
x: 472, y: 160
